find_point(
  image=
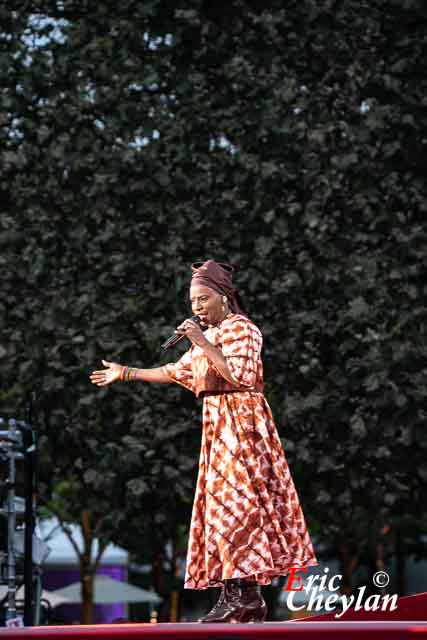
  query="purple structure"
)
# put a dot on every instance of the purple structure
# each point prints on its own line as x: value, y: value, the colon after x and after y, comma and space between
x: 62, y: 568
x: 72, y: 613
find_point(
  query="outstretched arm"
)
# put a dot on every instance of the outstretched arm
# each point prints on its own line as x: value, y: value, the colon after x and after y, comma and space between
x: 114, y: 371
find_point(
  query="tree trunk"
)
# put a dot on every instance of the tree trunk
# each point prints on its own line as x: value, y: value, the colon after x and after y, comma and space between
x: 86, y: 579
x: 174, y: 613
x: 158, y: 574
x: 380, y: 552
x: 400, y: 564
x: 87, y: 571
x: 174, y: 606
x: 348, y: 563
x: 159, y: 578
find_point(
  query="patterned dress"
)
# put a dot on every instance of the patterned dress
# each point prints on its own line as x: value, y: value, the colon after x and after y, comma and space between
x: 247, y: 520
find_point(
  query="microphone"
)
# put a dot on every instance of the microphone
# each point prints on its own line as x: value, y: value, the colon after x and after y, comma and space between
x: 173, y: 340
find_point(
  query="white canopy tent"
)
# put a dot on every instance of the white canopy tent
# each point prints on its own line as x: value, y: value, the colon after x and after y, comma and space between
x: 108, y: 591
x: 53, y: 599
x: 62, y: 553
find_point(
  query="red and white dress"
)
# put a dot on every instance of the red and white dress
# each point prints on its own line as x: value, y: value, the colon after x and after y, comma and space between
x: 246, y: 519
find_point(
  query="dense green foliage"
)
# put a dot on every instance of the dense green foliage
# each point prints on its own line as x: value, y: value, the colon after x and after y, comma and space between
x: 288, y: 138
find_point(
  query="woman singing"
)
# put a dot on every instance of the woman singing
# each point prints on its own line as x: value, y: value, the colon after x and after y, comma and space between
x: 247, y: 525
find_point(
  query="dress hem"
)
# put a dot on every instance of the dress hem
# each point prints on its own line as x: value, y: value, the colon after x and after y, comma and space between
x: 264, y: 581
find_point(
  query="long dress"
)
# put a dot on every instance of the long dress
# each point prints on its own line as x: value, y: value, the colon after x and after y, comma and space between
x: 246, y: 519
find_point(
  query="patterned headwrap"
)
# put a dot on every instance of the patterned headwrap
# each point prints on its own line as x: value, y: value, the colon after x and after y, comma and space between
x: 216, y: 276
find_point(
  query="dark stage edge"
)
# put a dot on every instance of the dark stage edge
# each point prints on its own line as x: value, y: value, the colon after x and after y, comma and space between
x: 278, y: 630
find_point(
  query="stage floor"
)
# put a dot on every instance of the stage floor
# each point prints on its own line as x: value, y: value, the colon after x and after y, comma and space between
x: 184, y: 631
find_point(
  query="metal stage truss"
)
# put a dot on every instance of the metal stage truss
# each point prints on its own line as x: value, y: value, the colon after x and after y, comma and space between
x: 21, y: 552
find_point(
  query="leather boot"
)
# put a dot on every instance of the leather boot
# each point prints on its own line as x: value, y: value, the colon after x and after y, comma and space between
x: 228, y: 603
x: 216, y: 610
x: 253, y: 607
x: 241, y: 602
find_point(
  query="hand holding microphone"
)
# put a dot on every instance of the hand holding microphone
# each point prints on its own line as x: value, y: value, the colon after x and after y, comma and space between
x: 192, y: 328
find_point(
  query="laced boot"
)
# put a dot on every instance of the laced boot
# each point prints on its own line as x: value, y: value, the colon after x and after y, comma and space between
x: 217, y: 609
x: 253, y: 607
x: 227, y: 605
x: 241, y: 602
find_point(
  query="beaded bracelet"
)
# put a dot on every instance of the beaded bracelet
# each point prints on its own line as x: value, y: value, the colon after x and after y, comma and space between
x: 128, y: 373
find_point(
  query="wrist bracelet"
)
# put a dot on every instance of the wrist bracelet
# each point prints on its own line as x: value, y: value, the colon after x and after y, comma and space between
x: 128, y: 373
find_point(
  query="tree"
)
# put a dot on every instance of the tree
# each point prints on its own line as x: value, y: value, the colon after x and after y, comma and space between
x: 288, y: 140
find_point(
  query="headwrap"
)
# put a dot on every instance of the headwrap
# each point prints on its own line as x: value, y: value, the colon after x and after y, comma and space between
x: 216, y: 276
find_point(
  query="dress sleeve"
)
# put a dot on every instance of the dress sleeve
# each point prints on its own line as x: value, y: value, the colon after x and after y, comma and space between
x: 181, y: 371
x: 241, y: 344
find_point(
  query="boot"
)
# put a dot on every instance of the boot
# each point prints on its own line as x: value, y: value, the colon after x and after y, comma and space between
x: 253, y: 607
x: 228, y: 602
x: 216, y: 610
x: 241, y: 602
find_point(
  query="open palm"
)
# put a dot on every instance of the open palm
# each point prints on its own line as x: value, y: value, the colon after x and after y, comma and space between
x: 108, y: 375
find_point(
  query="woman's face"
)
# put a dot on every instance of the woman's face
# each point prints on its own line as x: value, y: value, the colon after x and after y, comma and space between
x: 207, y: 304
